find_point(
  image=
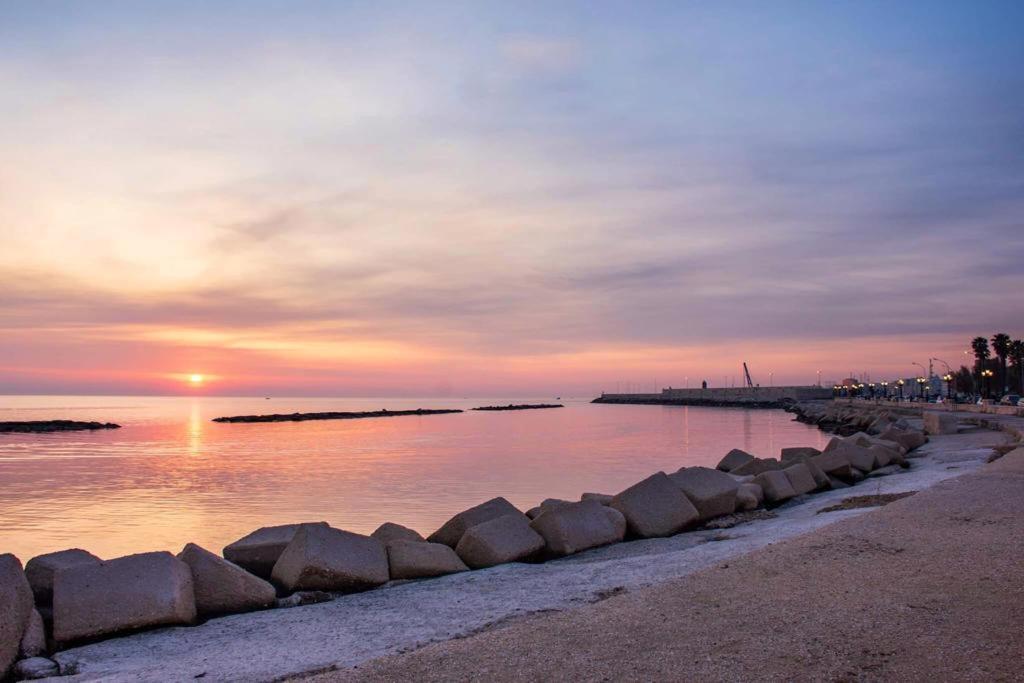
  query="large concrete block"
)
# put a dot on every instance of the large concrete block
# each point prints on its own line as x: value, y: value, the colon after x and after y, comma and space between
x: 15, y: 609
x: 328, y: 559
x: 883, y: 457
x: 451, y: 531
x: 33, y: 640
x: 124, y: 594
x: 833, y: 464
x: 655, y: 507
x: 775, y: 485
x: 617, y: 519
x: 940, y: 423
x: 909, y: 439
x: 798, y: 453
x: 734, y: 459
x: 546, y: 504
x: 40, y: 570
x: 569, y: 529
x: 800, y: 478
x: 602, y: 498
x: 749, y: 497
x: 419, y: 559
x: 712, y: 492
x: 499, y: 540
x: 757, y: 466
x: 259, y: 551
x: 222, y: 587
x: 858, y: 456
x: 389, y: 532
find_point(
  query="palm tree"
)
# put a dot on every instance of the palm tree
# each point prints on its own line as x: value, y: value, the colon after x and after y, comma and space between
x: 1001, y: 345
x: 981, y: 354
x: 1017, y: 357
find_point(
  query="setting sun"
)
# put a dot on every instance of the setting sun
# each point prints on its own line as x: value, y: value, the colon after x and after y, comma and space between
x: 195, y: 379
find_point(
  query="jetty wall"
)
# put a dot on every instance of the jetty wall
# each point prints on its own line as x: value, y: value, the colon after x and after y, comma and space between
x: 724, y: 396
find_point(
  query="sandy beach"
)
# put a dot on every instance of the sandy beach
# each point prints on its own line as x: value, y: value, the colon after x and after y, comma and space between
x: 926, y: 588
x: 627, y: 610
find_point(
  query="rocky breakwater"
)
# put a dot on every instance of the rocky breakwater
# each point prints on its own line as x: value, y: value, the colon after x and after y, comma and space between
x: 70, y: 597
x: 520, y: 406
x: 47, y: 426
x: 303, y: 417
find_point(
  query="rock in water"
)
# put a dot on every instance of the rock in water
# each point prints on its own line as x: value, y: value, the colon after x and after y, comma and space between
x: 775, y: 485
x: 33, y: 641
x: 572, y: 528
x: 655, y: 507
x: 419, y: 560
x: 148, y: 589
x: 499, y: 540
x: 40, y: 570
x: 259, y: 551
x: 15, y: 609
x: 328, y: 559
x: 451, y: 531
x: 712, y: 492
x: 800, y: 478
x: 389, y: 532
x: 733, y: 459
x: 222, y: 587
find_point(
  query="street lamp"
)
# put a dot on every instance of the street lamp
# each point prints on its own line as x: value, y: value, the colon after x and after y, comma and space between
x: 871, y: 387
x: 900, y: 383
x: 885, y: 389
x: 987, y: 374
x: 948, y: 379
x: 920, y: 383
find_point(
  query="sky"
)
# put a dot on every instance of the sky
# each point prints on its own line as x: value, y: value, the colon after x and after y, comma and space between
x: 482, y: 199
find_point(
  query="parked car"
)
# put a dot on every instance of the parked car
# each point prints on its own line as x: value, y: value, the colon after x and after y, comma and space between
x: 1010, y: 400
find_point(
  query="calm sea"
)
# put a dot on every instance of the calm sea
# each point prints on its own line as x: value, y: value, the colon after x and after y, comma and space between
x: 170, y: 475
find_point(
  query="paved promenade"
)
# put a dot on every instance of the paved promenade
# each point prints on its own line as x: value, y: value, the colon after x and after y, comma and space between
x: 928, y: 588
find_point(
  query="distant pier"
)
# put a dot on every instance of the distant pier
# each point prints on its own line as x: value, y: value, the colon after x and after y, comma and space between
x: 743, y: 397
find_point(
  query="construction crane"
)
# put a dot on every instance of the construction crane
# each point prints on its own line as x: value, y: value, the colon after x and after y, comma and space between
x: 746, y: 373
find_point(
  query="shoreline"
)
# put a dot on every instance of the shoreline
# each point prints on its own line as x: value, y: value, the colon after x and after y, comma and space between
x: 53, y: 426
x: 408, y: 615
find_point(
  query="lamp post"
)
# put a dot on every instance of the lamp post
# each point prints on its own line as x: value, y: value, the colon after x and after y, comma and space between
x: 871, y: 388
x: 900, y: 383
x: 920, y: 383
x: 987, y: 375
x: 948, y: 379
x: 885, y: 390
